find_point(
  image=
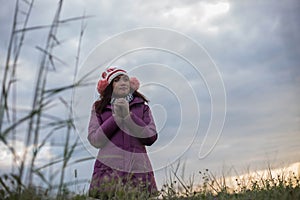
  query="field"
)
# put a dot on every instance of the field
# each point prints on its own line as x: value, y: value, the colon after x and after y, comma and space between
x: 283, y: 186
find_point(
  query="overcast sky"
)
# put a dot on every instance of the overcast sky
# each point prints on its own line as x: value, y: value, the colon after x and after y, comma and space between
x: 203, y: 59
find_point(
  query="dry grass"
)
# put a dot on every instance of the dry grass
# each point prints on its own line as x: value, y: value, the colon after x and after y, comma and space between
x: 36, y: 125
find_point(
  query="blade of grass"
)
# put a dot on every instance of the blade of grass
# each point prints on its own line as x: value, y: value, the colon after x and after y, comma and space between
x: 20, y: 121
x: 33, y: 28
x: 82, y: 160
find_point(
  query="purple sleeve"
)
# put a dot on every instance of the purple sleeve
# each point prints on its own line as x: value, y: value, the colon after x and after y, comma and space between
x: 100, y: 133
x: 147, y: 130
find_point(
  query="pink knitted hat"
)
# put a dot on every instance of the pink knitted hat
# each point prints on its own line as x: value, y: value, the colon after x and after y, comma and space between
x: 112, y: 72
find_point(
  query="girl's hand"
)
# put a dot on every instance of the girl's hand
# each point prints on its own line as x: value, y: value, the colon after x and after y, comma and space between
x: 121, y: 107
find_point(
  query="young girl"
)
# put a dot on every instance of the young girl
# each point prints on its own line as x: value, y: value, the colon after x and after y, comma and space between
x: 121, y: 125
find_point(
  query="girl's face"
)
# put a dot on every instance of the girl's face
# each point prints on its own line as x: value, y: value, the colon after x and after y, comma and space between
x: 121, y: 86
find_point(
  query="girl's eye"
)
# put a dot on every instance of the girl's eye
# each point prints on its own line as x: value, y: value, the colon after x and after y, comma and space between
x: 116, y: 79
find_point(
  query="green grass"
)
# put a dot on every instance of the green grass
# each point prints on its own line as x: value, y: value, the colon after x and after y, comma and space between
x: 279, y: 187
x: 282, y: 187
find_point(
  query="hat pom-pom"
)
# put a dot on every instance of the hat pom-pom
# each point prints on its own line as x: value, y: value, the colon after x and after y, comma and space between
x: 134, y: 83
x: 102, y: 84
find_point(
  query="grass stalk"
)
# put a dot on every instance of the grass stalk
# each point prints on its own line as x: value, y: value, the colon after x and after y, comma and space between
x: 41, y: 99
x: 39, y: 91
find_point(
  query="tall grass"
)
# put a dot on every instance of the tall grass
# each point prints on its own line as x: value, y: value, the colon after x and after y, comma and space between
x: 260, y: 186
x: 37, y: 125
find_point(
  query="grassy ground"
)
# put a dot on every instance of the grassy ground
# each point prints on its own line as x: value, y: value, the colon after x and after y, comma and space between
x: 265, y: 187
x: 283, y: 186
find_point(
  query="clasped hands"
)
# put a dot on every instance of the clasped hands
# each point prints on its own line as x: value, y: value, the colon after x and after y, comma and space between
x: 121, y: 108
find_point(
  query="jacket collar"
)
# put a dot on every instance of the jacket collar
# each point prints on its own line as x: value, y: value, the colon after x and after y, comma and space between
x: 136, y: 100
x: 128, y: 98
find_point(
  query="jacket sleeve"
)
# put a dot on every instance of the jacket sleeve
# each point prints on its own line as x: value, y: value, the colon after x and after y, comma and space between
x: 100, y: 133
x: 143, y: 128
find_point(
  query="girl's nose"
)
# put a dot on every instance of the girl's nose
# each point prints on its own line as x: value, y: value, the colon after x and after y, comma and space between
x: 122, y: 82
